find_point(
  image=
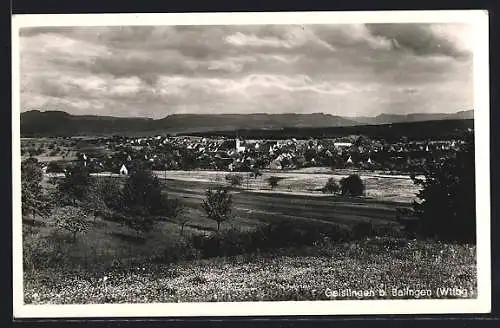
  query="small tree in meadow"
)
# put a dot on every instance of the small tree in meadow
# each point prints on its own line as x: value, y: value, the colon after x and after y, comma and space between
x: 72, y: 219
x: 177, y: 211
x: 331, y: 186
x: 140, y: 223
x: 352, y: 186
x: 218, y: 204
x: 94, y: 204
x: 273, y: 181
x: 174, y: 209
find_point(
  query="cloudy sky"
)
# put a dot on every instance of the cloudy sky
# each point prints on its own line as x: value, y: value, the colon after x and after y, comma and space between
x: 345, y: 70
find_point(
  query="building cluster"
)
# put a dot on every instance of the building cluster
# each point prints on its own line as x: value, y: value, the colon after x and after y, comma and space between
x: 187, y: 153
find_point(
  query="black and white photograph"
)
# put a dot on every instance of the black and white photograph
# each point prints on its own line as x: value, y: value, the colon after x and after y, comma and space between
x: 251, y: 164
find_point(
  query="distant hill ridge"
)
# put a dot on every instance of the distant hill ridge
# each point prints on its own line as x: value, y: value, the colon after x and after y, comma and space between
x: 60, y: 123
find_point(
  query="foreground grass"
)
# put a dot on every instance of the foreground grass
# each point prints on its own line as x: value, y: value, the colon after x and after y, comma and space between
x: 286, y: 275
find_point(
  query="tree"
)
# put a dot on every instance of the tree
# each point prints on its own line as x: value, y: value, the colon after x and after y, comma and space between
x: 331, y: 186
x: 352, y: 185
x: 95, y: 202
x: 142, y: 193
x: 140, y: 222
x: 142, y: 199
x: 33, y: 200
x: 273, y: 181
x: 75, y: 186
x: 72, y: 219
x: 177, y: 211
x: 218, y: 204
x: 107, y: 191
x: 447, y: 200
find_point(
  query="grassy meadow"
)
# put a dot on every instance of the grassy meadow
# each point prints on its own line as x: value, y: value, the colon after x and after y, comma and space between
x: 110, y: 263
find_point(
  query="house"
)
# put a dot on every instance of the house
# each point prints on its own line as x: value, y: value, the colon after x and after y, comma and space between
x: 123, y: 170
x: 239, y: 147
x: 342, y: 144
x: 275, y: 165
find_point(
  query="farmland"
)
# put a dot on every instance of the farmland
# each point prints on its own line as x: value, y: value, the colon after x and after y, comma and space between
x: 114, y: 266
x: 255, y: 203
x: 379, y: 186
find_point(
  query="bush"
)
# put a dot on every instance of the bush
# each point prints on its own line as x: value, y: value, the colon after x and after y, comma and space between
x: 331, y: 186
x: 55, y: 167
x: 139, y: 223
x: 228, y: 243
x: 338, y: 233
x: 273, y: 181
x: 36, y: 252
x: 266, y: 238
x: 363, y: 229
x: 352, y: 186
x: 178, y: 250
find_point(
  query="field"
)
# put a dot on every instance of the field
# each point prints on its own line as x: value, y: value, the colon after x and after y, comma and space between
x: 48, y: 150
x: 110, y: 263
x: 296, y: 198
x: 310, y: 275
x: 308, y: 182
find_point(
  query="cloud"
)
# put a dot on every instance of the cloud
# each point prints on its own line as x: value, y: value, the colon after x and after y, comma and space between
x: 346, y: 69
x: 420, y: 39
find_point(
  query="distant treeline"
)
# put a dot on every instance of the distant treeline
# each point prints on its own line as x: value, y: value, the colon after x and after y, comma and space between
x: 444, y: 129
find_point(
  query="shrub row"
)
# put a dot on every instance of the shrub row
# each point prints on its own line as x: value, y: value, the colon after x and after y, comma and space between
x: 268, y: 239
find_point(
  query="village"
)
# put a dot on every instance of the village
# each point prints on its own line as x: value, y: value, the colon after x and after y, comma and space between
x: 120, y: 154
